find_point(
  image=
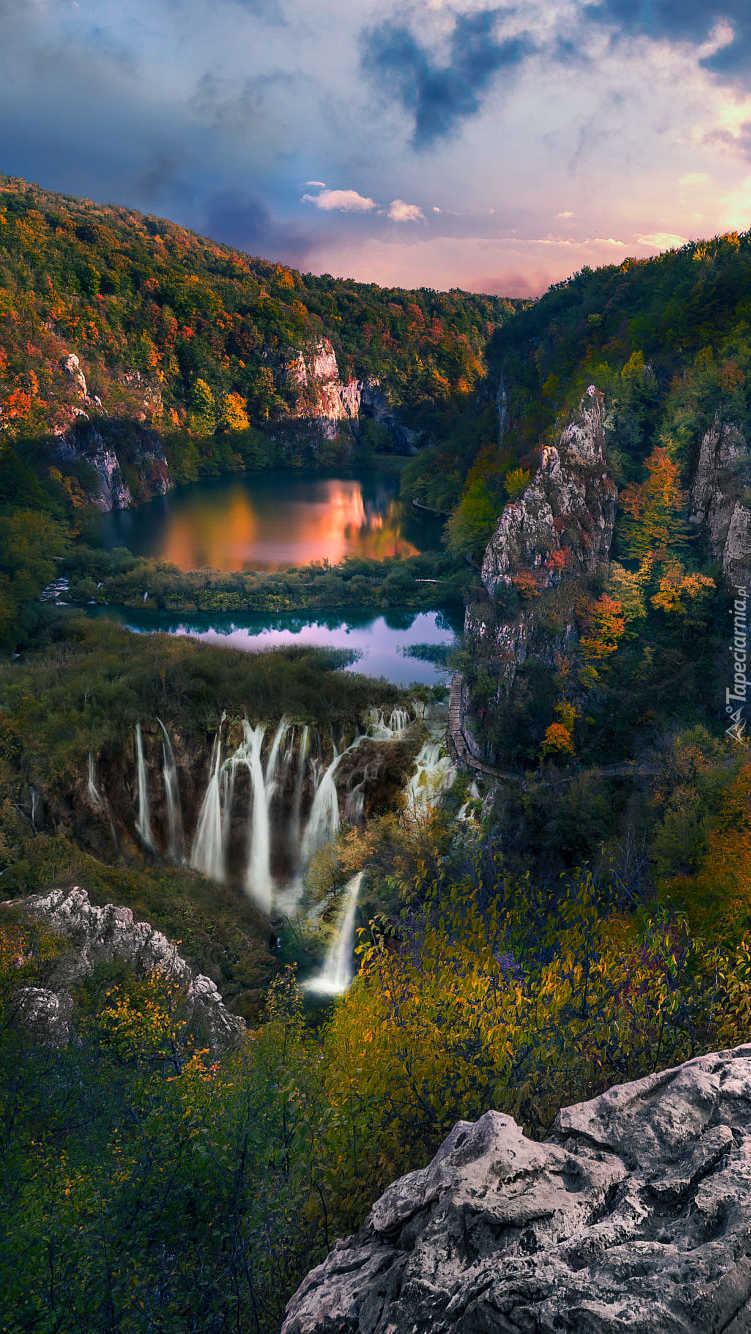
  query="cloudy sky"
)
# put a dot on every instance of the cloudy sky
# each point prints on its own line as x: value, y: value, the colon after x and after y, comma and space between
x: 497, y: 147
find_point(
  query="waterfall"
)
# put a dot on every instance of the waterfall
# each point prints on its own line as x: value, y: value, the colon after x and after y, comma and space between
x: 354, y: 804
x: 302, y: 759
x: 323, y: 820
x: 227, y: 796
x: 95, y: 795
x: 175, y: 833
x: 207, y: 852
x: 272, y: 764
x: 434, y: 773
x: 338, y: 970
x: 399, y: 721
x: 143, y: 823
x: 397, y: 724
x: 258, y: 872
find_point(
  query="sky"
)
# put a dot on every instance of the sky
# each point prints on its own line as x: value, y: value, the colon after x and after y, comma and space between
x: 494, y: 147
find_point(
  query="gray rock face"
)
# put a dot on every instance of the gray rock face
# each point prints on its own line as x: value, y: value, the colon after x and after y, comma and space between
x: 723, y: 467
x: 559, y: 531
x: 100, y: 935
x: 569, y: 508
x: 72, y: 365
x: 324, y: 398
x: 634, y: 1216
x: 101, y: 444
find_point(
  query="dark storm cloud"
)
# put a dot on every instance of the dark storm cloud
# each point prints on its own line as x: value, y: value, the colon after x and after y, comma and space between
x: 687, y: 20
x: 247, y: 223
x: 233, y: 108
x: 159, y: 176
x: 440, y: 96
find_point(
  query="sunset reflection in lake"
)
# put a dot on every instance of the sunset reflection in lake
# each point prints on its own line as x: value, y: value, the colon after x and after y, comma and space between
x: 270, y: 522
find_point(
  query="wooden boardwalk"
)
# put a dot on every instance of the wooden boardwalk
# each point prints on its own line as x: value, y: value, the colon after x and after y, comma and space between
x: 464, y: 753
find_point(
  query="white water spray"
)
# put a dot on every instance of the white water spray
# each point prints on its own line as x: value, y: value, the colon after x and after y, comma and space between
x: 207, y: 852
x: 323, y: 820
x: 302, y: 760
x: 143, y: 823
x: 354, y: 804
x: 95, y: 795
x: 433, y: 775
x: 175, y: 832
x: 258, y: 870
x: 398, y: 722
x: 338, y: 966
x: 272, y: 764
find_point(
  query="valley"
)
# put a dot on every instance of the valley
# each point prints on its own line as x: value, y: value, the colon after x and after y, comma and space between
x: 364, y: 749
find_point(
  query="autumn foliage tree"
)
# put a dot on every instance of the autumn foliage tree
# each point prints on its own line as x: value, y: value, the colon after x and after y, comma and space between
x: 655, y: 508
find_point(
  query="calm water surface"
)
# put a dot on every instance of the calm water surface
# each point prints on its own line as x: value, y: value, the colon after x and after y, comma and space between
x: 407, y: 648
x: 273, y: 520
x: 269, y: 521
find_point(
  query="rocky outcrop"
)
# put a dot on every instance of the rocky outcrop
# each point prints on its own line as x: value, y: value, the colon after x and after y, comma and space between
x: 101, y: 935
x: 108, y: 447
x: 558, y: 532
x: 722, y: 471
x: 634, y: 1216
x: 323, y: 398
x: 562, y: 523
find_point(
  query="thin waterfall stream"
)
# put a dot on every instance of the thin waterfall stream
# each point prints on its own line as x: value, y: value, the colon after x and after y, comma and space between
x: 338, y: 966
x: 175, y: 832
x: 207, y: 852
x: 143, y: 823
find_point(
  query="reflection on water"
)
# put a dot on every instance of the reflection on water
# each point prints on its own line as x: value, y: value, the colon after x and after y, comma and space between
x: 271, y: 521
x: 382, y: 642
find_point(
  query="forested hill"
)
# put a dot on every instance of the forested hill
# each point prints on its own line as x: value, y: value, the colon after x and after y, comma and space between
x: 685, y: 314
x: 668, y: 342
x: 151, y: 309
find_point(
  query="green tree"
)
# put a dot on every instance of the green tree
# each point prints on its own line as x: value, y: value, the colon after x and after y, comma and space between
x: 203, y: 407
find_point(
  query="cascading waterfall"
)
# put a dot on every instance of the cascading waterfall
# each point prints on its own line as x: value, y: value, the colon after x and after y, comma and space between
x: 294, y: 761
x: 338, y: 967
x: 433, y: 775
x: 207, y: 852
x: 143, y: 823
x: 272, y: 764
x: 175, y: 832
x: 302, y: 760
x: 354, y: 803
x: 95, y: 795
x: 226, y: 797
x: 323, y: 820
x: 258, y: 871
x: 399, y: 721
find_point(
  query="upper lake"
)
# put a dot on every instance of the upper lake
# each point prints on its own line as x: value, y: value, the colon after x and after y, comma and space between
x: 273, y: 520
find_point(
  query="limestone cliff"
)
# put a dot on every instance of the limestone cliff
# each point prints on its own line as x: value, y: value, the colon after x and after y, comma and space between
x: 322, y: 398
x: 558, y: 532
x: 718, y: 499
x: 635, y: 1215
x: 103, y: 935
x: 120, y: 458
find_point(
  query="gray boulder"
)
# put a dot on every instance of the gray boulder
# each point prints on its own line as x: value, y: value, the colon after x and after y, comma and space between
x: 101, y: 935
x: 635, y: 1215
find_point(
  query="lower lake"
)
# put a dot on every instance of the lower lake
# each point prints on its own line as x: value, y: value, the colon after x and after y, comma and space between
x: 407, y: 648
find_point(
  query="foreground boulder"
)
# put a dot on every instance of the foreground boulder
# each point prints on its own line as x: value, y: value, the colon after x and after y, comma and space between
x: 634, y: 1216
x: 103, y: 935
